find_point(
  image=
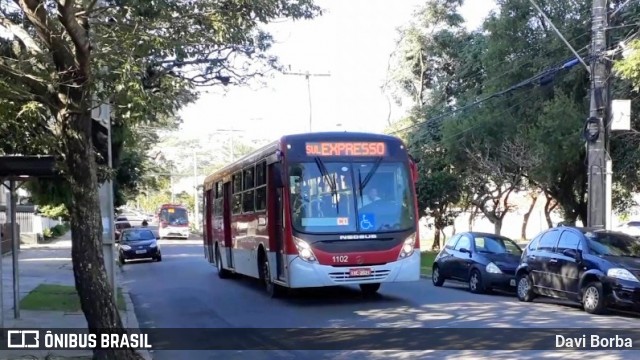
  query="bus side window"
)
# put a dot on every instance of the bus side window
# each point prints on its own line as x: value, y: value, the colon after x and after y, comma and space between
x: 261, y: 186
x: 248, y: 195
x: 237, y: 193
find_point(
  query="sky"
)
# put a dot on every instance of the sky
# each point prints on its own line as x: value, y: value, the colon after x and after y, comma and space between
x: 352, y: 42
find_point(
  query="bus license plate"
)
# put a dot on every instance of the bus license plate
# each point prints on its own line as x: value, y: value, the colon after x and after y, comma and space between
x: 359, y: 272
x: 141, y: 251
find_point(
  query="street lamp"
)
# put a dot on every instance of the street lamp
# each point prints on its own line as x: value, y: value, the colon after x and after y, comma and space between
x: 308, y: 76
x: 230, y: 139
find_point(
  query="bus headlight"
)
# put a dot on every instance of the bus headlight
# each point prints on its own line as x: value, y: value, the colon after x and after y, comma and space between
x: 304, y: 250
x: 408, y: 247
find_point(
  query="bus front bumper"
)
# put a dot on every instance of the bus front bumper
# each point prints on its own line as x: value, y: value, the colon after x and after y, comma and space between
x: 172, y: 231
x: 303, y: 274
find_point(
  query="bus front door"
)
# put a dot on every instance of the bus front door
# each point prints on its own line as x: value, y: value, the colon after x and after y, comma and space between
x: 228, y: 240
x: 277, y: 219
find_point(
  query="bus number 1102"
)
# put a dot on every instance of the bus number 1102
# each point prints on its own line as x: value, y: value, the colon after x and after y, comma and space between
x: 341, y: 259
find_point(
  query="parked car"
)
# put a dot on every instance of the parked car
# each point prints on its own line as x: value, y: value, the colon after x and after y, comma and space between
x: 134, y: 219
x: 631, y: 228
x: 119, y: 226
x: 485, y: 261
x: 596, y: 268
x: 138, y: 243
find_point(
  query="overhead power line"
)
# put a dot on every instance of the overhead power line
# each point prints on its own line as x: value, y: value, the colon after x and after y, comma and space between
x: 560, y: 35
x: 542, y: 78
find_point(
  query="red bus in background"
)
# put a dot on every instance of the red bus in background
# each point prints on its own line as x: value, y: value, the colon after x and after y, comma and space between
x: 314, y: 210
x: 173, y: 221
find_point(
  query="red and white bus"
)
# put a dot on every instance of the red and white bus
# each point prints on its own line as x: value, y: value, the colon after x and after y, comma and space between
x: 173, y: 221
x: 314, y: 210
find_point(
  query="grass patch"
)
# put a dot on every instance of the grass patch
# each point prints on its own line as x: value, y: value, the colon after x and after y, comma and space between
x: 426, y: 262
x: 58, y: 298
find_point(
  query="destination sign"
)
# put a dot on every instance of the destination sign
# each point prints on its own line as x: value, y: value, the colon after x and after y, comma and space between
x: 346, y: 148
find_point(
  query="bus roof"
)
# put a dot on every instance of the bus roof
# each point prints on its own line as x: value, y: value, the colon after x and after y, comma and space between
x: 271, y: 148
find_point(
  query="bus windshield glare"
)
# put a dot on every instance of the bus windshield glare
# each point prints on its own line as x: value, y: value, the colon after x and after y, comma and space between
x: 351, y: 197
x: 174, y: 216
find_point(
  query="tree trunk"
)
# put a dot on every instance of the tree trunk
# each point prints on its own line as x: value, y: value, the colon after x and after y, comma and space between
x: 472, y: 217
x: 436, y: 238
x: 94, y: 290
x: 548, y: 208
x: 525, y: 221
x: 497, y: 226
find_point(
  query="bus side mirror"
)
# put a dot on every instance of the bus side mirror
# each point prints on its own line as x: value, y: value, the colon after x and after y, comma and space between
x: 278, y: 178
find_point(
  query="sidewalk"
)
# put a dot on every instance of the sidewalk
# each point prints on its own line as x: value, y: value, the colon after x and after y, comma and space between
x: 49, y: 264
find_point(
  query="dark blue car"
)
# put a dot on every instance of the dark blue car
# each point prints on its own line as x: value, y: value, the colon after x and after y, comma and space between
x: 138, y: 243
x: 596, y: 268
x: 485, y: 261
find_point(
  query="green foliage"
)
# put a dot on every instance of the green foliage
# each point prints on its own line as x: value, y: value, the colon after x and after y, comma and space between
x: 146, y: 61
x: 54, y: 212
x: 56, y: 231
x: 530, y: 136
x: 628, y: 68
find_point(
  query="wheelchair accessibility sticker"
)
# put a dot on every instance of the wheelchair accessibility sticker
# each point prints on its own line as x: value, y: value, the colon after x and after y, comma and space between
x: 367, y: 221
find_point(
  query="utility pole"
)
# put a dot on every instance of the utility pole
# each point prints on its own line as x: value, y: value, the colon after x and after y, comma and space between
x: 231, y: 131
x: 308, y: 76
x: 173, y: 199
x: 195, y: 188
x: 599, y: 198
x: 102, y: 114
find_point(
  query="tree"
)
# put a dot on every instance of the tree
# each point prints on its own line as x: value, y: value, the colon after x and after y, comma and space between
x: 427, y: 67
x: 52, y: 65
x: 536, y: 103
x: 438, y: 187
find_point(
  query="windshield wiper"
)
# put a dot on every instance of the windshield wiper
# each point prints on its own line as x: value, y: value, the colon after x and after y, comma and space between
x: 363, y: 184
x: 327, y: 177
x: 360, y: 185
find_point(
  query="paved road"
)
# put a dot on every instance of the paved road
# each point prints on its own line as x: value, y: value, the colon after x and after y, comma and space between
x: 184, y: 291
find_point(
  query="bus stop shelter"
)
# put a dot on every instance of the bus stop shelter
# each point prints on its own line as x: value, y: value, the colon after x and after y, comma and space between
x: 18, y: 169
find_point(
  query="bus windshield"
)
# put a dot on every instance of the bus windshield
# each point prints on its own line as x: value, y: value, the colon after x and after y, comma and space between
x: 174, y: 216
x: 351, y: 197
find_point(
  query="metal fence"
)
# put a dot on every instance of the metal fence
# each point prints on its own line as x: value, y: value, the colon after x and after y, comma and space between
x: 30, y: 223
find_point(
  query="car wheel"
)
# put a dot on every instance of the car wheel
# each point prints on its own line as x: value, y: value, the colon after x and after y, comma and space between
x: 159, y: 258
x: 121, y: 260
x: 524, y: 288
x: 437, y: 279
x: 593, y: 298
x: 476, y: 285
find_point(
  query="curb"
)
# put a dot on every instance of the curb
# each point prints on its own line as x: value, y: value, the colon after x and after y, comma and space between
x: 131, y: 319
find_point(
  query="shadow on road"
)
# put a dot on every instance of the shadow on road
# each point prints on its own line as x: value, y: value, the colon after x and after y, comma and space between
x: 324, y: 296
x: 503, y: 295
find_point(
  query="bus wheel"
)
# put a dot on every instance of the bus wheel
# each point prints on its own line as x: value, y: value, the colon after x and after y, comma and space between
x: 369, y: 289
x: 274, y: 290
x: 222, y: 273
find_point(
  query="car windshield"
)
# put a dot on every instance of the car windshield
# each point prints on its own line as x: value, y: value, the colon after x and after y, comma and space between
x: 613, y: 244
x: 347, y: 199
x: 496, y: 245
x: 138, y: 235
x: 174, y: 216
